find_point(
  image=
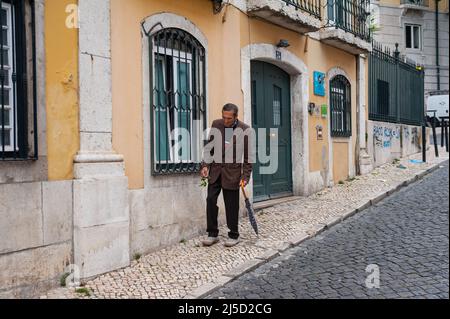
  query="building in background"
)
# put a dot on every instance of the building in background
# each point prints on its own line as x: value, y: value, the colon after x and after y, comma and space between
x: 421, y: 28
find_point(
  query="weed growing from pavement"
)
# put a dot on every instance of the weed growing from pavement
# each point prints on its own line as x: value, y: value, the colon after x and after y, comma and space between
x: 83, y: 291
x: 62, y: 280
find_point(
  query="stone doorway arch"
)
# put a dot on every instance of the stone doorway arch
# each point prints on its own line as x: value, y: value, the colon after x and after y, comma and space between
x: 299, y: 75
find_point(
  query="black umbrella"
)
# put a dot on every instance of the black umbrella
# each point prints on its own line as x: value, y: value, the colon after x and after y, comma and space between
x: 250, y: 210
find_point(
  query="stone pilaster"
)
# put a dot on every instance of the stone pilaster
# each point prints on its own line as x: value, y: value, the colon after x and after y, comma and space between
x: 365, y: 162
x: 101, y: 212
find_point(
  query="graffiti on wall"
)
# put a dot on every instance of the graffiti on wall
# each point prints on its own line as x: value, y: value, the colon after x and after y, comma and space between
x: 390, y: 140
x: 415, y: 137
x: 412, y: 135
x: 383, y: 136
x: 406, y: 133
x: 378, y: 136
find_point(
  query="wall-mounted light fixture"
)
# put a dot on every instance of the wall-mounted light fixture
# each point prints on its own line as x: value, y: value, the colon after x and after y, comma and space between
x: 311, y: 108
x: 283, y: 44
x: 217, y: 6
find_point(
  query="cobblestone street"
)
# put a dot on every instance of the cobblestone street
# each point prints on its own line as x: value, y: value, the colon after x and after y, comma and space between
x: 406, y: 236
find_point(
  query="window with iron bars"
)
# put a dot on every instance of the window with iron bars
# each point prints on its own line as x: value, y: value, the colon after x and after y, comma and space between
x: 18, y: 136
x: 340, y: 107
x: 178, y: 101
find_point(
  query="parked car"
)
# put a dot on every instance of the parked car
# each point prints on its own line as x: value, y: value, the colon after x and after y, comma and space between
x: 437, y: 101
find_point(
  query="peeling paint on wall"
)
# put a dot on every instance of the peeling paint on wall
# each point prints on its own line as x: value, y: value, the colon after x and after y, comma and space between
x: 61, y: 45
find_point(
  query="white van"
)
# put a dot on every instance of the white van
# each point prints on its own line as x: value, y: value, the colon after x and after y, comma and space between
x: 439, y: 103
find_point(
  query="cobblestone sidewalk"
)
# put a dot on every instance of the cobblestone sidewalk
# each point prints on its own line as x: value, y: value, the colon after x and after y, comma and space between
x: 188, y: 270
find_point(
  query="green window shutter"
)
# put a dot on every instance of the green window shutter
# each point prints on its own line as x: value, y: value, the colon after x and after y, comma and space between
x: 184, y: 109
x: 161, y: 131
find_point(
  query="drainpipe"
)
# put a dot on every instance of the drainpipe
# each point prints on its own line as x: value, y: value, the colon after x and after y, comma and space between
x: 358, y: 106
x: 438, y: 71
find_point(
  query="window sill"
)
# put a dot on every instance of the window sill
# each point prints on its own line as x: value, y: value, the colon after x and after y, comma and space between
x: 23, y: 170
x: 414, y: 7
x: 176, y: 169
x: 413, y: 51
x: 341, y: 138
x: 17, y: 160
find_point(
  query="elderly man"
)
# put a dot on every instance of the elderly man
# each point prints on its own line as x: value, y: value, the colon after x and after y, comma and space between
x: 226, y: 172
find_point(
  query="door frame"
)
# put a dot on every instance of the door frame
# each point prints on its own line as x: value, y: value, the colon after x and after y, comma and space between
x: 299, y: 88
x: 289, y: 127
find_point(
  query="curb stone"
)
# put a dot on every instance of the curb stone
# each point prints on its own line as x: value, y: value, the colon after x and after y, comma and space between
x: 391, y: 191
x: 349, y: 214
x: 223, y: 280
x: 268, y: 255
x: 399, y: 187
x: 283, y: 246
x: 378, y: 199
x: 364, y: 206
x: 299, y: 239
x: 333, y: 221
x: 204, y: 290
x: 246, y: 267
x: 316, y: 229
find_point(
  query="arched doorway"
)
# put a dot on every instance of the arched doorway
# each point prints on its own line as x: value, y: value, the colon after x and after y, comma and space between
x: 271, y: 108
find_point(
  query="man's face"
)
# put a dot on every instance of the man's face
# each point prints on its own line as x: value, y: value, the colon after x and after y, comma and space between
x: 228, y: 118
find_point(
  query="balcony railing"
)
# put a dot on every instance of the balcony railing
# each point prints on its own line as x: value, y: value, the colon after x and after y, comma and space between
x: 302, y: 16
x: 421, y: 3
x: 310, y: 6
x: 351, y: 16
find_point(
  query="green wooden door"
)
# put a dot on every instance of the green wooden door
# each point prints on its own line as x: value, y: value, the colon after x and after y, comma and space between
x: 271, y: 108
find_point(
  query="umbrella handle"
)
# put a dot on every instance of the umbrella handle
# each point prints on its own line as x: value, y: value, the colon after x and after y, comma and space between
x: 243, y: 190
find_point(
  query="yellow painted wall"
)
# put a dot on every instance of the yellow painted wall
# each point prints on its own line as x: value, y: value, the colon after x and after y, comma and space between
x: 61, y: 55
x: 340, y: 164
x: 323, y: 58
x: 443, y: 5
x: 225, y: 37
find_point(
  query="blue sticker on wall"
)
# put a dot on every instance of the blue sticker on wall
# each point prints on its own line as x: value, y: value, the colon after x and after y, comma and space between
x: 319, y: 83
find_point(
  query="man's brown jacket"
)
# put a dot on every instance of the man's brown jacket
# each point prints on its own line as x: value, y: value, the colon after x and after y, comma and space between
x: 240, y: 167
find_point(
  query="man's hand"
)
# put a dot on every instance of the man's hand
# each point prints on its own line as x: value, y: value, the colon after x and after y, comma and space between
x: 244, y: 183
x: 204, y: 172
